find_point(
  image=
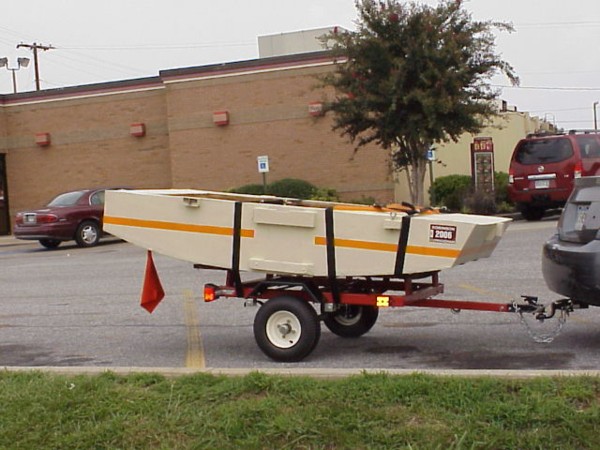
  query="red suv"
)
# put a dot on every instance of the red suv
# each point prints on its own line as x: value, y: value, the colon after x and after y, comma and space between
x: 543, y: 167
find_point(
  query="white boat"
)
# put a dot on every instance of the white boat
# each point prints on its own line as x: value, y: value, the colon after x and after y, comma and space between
x: 297, y: 237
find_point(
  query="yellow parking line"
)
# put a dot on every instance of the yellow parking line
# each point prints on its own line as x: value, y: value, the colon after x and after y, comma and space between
x: 195, y: 350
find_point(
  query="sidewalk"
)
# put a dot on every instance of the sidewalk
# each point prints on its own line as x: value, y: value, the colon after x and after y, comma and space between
x: 10, y: 241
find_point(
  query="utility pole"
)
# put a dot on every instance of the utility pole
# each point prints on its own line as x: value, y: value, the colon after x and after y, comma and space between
x: 35, y: 47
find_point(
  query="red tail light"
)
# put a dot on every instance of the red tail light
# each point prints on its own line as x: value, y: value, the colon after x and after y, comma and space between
x: 46, y: 218
x: 577, y: 170
x: 210, y: 292
x: 511, y: 175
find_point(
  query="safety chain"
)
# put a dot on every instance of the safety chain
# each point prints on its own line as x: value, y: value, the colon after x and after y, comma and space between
x: 547, y: 337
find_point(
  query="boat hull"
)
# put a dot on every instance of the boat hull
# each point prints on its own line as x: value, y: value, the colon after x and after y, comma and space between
x: 283, y: 236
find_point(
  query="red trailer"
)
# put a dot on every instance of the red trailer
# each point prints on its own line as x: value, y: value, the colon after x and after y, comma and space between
x: 287, y: 327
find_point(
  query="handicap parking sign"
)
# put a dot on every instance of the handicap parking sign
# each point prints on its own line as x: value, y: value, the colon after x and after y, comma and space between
x: 263, y: 164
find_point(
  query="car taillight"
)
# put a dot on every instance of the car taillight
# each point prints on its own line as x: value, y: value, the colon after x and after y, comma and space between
x: 19, y: 219
x: 46, y: 218
x: 511, y: 176
x: 577, y: 170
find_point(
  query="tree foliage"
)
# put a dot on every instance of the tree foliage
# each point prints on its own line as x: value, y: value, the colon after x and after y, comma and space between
x: 412, y: 76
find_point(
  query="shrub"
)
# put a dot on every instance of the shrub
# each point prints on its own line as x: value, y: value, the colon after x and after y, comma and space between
x: 501, y: 184
x: 325, y: 194
x: 253, y: 189
x: 370, y: 200
x: 292, y: 187
x: 480, y: 203
x: 450, y: 191
x: 289, y: 187
x: 456, y: 193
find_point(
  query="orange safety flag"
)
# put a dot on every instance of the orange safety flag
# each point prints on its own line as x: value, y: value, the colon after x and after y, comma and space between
x: 152, y: 291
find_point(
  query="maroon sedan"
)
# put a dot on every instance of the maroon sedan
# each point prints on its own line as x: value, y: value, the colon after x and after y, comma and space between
x: 70, y: 216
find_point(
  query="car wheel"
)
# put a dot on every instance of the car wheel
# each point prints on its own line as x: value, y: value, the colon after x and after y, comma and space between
x: 532, y: 213
x: 87, y: 234
x: 50, y: 243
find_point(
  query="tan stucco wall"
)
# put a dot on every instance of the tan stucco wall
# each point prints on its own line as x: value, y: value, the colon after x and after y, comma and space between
x: 455, y: 157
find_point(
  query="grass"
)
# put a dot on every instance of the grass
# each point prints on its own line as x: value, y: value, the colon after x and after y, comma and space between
x: 258, y: 411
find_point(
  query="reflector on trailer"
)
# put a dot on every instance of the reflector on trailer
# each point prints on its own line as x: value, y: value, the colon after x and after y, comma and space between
x: 210, y: 292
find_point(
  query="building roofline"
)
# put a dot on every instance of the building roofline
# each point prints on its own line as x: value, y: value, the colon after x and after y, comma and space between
x: 165, y: 76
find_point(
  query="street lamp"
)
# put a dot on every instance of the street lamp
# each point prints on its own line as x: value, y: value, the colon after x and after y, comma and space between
x: 21, y: 62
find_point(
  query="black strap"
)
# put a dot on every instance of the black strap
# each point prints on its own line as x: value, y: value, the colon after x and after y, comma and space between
x: 402, y: 244
x: 331, y: 269
x: 235, y: 257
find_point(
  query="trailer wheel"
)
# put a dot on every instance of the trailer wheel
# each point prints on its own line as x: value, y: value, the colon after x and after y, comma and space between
x: 352, y: 321
x: 287, y: 329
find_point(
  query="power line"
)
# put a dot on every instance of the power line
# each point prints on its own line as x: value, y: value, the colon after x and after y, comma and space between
x: 35, y: 47
x: 547, y: 88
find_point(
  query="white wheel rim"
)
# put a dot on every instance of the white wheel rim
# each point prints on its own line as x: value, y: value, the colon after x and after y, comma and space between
x: 283, y: 329
x: 89, y: 234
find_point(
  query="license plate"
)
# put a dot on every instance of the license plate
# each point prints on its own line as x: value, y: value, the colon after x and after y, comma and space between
x: 582, y: 211
x: 29, y: 218
x: 542, y: 184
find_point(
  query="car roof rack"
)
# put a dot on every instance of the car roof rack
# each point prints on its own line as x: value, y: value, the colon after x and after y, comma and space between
x: 544, y: 134
x: 590, y: 131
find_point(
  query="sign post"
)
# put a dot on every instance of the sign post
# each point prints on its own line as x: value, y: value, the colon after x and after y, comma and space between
x: 263, y: 168
x: 482, y: 164
x: 431, y: 157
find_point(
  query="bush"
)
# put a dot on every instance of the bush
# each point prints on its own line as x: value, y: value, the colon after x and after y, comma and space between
x: 253, y: 189
x: 456, y: 193
x: 292, y: 187
x: 325, y: 194
x: 501, y: 184
x: 480, y: 203
x: 450, y: 191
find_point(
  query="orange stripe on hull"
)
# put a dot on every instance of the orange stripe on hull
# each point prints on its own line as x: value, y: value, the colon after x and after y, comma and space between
x: 175, y: 226
x: 384, y: 247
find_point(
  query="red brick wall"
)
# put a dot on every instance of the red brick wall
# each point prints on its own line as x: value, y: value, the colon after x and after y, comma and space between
x: 268, y: 116
x: 91, y: 145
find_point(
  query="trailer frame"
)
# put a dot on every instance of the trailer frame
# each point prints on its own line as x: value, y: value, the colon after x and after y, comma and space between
x: 287, y: 326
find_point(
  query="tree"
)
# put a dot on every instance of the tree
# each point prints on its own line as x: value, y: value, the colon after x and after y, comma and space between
x: 412, y: 76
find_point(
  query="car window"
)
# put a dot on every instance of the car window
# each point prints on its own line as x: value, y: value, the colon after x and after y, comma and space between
x: 580, y: 220
x: 67, y: 199
x: 589, y: 146
x: 97, y: 198
x: 543, y: 151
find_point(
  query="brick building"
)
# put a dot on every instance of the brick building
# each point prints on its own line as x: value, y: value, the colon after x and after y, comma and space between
x: 199, y: 127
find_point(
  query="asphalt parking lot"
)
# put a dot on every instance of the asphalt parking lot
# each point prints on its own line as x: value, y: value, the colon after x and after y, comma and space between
x: 75, y: 307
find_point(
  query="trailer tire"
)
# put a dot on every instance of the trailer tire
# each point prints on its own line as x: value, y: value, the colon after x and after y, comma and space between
x: 287, y: 329
x: 352, y: 321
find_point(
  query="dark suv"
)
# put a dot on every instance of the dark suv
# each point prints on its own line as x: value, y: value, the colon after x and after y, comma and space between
x: 543, y: 167
x: 571, y: 258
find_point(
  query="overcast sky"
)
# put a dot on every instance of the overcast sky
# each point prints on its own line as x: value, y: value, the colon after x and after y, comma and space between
x: 555, y: 49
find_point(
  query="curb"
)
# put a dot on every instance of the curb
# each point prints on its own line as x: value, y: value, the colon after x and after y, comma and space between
x: 333, y: 374
x: 11, y: 241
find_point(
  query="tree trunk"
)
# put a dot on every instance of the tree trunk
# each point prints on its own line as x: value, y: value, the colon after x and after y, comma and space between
x: 415, y: 175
